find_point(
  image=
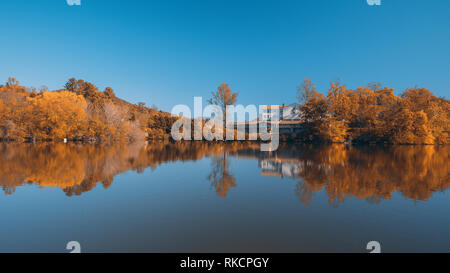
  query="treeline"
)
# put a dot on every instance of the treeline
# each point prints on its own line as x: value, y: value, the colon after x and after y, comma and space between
x: 373, y: 115
x: 78, y: 112
x: 81, y: 112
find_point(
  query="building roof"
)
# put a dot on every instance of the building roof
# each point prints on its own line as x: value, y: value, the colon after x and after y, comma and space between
x: 269, y: 107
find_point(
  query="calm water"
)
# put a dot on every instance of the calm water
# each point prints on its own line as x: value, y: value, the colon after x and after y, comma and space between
x: 197, y: 197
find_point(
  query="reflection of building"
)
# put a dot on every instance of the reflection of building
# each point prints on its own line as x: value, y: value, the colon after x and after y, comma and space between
x: 274, y: 167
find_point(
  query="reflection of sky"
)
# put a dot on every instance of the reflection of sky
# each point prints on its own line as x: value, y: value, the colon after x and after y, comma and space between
x: 175, y: 211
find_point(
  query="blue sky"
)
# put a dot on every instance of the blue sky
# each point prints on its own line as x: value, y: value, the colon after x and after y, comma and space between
x: 167, y: 52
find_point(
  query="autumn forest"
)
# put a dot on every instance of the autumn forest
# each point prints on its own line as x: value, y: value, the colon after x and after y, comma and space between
x: 80, y: 112
x: 373, y: 114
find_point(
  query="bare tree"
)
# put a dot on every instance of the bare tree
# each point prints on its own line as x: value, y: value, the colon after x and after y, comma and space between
x: 114, y: 115
x: 305, y: 90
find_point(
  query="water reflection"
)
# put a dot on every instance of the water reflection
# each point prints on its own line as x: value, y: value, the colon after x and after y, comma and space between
x: 370, y: 173
x: 367, y: 172
x: 220, y: 177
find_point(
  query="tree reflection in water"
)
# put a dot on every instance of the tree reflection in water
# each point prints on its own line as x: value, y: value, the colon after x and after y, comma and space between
x: 221, y: 178
x: 371, y: 173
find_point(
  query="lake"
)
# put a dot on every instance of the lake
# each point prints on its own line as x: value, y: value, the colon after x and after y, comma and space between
x: 216, y: 197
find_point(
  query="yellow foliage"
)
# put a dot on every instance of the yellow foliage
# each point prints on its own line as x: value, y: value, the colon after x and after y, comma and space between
x: 79, y: 113
x: 57, y: 114
x: 365, y: 116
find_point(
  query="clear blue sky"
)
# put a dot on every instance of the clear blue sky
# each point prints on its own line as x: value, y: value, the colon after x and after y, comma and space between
x: 167, y: 52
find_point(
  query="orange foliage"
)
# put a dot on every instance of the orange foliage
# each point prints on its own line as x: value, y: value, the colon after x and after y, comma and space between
x: 374, y: 115
x: 56, y: 115
x: 78, y: 112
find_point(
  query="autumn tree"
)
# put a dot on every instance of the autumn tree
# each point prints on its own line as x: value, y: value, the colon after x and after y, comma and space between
x: 314, y: 109
x: 223, y: 97
x: 57, y: 115
x: 109, y: 92
x: 373, y: 114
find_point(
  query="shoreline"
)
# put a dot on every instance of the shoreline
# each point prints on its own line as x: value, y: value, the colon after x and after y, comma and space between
x: 149, y: 140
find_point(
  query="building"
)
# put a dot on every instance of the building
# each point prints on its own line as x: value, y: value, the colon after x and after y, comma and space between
x: 283, y: 112
x: 288, y: 117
